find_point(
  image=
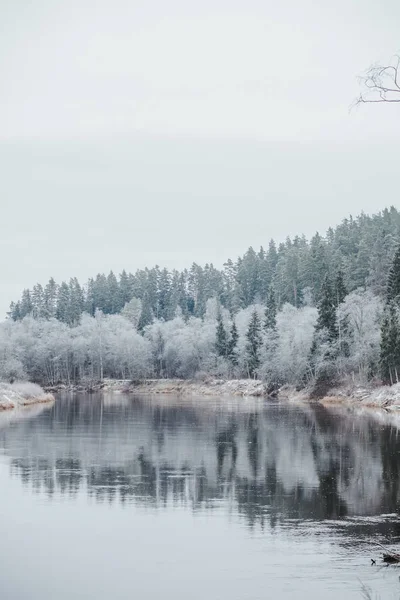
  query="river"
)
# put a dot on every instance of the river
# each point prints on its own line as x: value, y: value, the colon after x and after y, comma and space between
x: 122, y: 497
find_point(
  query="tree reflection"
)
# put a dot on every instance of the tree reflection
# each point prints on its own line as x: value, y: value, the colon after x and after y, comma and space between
x: 271, y: 464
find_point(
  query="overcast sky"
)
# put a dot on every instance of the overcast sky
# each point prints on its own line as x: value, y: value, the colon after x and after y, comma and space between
x: 135, y: 133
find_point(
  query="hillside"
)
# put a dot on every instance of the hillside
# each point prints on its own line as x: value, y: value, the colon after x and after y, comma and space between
x: 304, y: 313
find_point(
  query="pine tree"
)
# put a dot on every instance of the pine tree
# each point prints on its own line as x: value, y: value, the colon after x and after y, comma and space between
x: 76, y: 302
x: 270, y: 311
x: 63, y: 303
x: 100, y: 294
x: 26, y: 305
x: 37, y: 301
x: 89, y: 304
x: 248, y: 277
x: 50, y: 299
x: 327, y: 310
x: 221, y: 342
x: 316, y: 265
x: 254, y: 343
x: 125, y: 292
x: 358, y: 250
x: 113, y: 305
x: 382, y: 251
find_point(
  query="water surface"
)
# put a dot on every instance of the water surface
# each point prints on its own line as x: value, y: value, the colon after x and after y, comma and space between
x: 220, y: 499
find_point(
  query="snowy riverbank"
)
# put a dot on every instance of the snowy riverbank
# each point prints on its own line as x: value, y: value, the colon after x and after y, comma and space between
x: 14, y: 395
x: 179, y: 387
x: 387, y: 397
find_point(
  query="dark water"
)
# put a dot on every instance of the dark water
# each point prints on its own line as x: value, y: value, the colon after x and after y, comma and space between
x: 120, y: 497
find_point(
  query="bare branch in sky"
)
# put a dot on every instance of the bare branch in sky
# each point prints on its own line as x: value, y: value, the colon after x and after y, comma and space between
x: 381, y: 83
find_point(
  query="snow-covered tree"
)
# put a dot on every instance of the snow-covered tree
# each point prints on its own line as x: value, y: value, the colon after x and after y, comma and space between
x: 361, y: 312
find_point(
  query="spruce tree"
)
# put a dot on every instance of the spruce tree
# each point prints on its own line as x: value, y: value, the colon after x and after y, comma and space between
x: 254, y: 343
x: 221, y: 342
x: 327, y: 310
x: 232, y: 344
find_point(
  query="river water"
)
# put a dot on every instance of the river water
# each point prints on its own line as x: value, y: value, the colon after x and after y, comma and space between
x: 119, y: 497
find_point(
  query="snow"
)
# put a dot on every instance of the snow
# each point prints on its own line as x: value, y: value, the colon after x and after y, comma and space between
x: 13, y: 395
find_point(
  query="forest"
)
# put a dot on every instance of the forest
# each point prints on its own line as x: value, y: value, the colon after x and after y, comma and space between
x: 299, y: 312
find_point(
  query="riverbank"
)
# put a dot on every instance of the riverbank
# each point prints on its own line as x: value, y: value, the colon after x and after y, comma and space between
x: 15, y: 395
x: 178, y: 387
x: 386, y: 397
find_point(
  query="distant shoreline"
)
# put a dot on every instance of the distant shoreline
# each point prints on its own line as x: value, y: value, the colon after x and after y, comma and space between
x: 384, y: 397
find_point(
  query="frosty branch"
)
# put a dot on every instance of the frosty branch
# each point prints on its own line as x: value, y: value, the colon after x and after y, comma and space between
x: 380, y: 83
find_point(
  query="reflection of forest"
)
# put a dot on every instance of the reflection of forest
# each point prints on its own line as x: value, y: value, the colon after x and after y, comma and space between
x: 274, y: 463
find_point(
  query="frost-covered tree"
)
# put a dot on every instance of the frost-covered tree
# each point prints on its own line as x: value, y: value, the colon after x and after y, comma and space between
x: 132, y: 311
x: 361, y: 247
x: 295, y: 331
x: 362, y: 313
x: 55, y: 335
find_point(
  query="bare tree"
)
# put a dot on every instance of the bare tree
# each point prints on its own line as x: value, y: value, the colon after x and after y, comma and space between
x: 381, y: 83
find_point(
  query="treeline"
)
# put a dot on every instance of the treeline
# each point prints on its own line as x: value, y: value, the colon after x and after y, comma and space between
x: 303, y: 312
x: 361, y: 248
x: 290, y: 345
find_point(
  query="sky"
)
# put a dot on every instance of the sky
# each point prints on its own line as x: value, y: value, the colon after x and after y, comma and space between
x: 135, y: 133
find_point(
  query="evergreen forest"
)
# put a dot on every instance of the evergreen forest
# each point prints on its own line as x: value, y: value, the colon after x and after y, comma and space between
x: 298, y: 312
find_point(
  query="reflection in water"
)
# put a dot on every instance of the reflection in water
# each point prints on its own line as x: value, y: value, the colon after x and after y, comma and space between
x: 268, y: 462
